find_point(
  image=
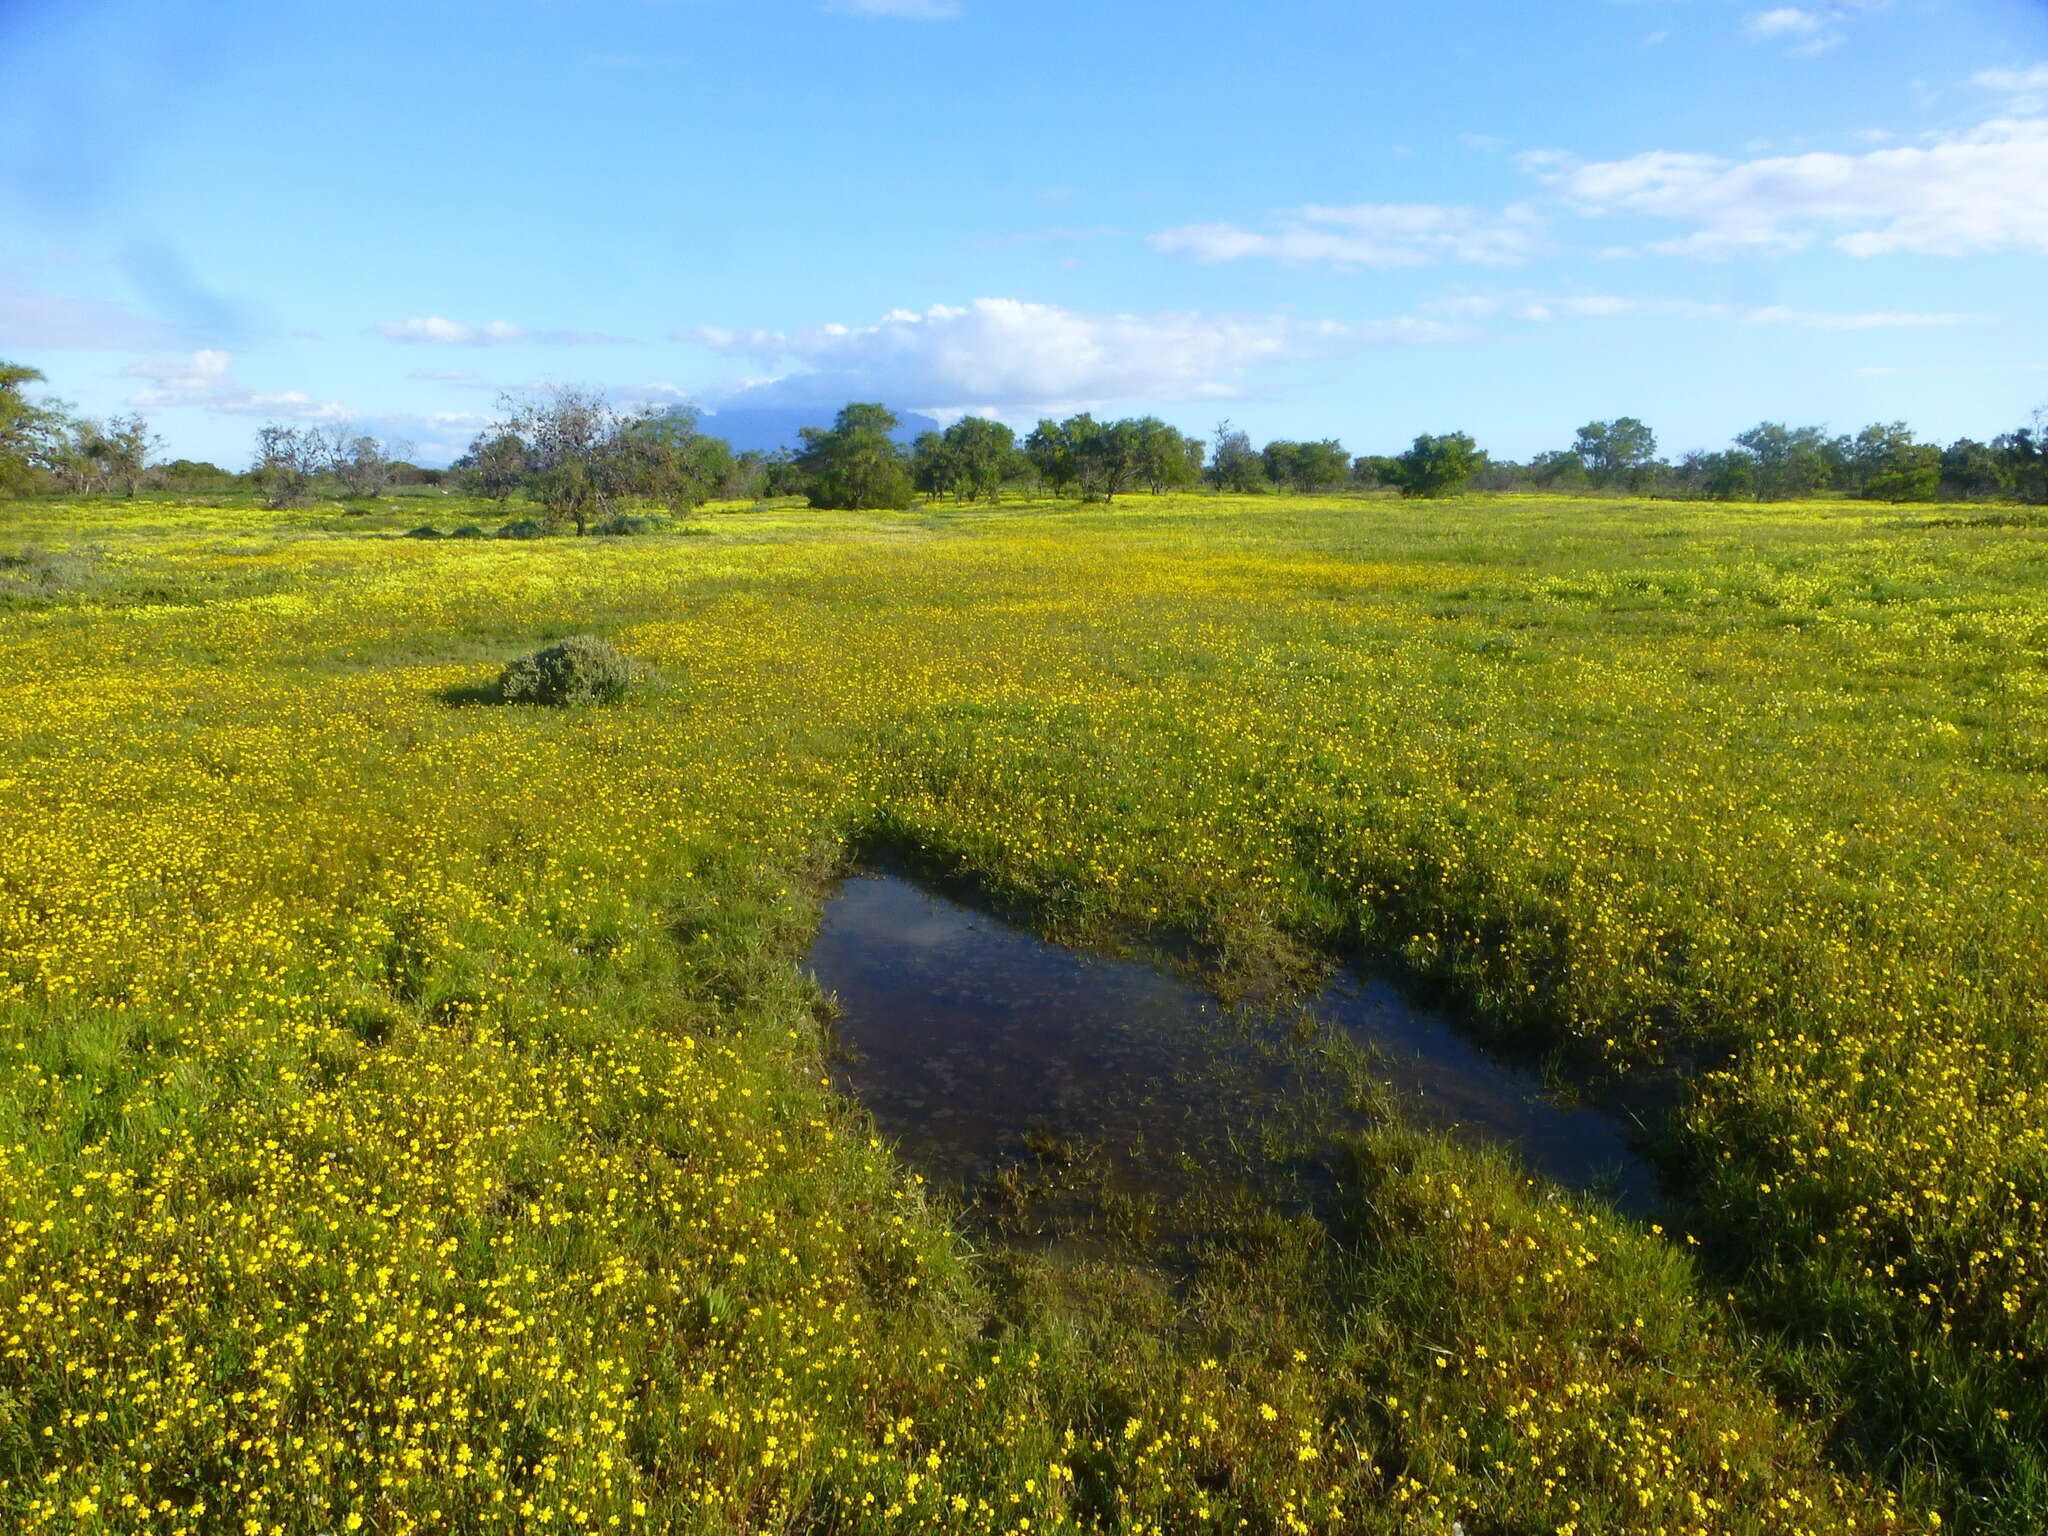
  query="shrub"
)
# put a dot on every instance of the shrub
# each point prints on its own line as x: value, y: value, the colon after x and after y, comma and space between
x: 624, y: 523
x: 425, y: 531
x: 580, y: 670
x: 525, y: 528
x: 467, y: 531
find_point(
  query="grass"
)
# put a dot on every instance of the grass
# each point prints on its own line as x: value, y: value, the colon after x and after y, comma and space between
x: 411, y: 1114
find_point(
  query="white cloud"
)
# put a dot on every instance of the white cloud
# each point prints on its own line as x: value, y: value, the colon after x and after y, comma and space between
x: 1955, y: 195
x: 1787, y: 21
x: 1368, y: 235
x: 46, y: 321
x: 1542, y: 308
x: 443, y: 375
x: 433, y: 329
x: 1005, y: 354
x: 906, y: 10
x: 2026, y: 89
x: 203, y: 380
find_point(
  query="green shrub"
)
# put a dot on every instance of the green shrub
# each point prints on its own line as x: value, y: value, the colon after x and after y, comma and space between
x: 624, y: 523
x: 425, y: 531
x: 580, y: 670
x: 468, y: 531
x: 525, y: 528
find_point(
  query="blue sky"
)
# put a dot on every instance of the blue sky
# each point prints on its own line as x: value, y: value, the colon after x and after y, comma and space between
x: 1362, y: 221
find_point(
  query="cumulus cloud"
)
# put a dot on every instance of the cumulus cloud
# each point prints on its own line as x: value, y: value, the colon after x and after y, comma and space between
x: 46, y: 321
x: 1787, y: 21
x: 1954, y: 195
x: 434, y: 330
x: 1368, y: 235
x: 1541, y: 308
x: 1005, y: 354
x: 204, y: 380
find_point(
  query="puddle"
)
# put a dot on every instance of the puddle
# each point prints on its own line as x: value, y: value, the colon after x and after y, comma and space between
x: 963, y: 1036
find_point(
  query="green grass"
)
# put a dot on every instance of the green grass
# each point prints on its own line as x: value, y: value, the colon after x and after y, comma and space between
x: 414, y: 1108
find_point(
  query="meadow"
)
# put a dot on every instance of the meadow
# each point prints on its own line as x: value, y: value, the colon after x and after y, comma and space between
x: 414, y: 1115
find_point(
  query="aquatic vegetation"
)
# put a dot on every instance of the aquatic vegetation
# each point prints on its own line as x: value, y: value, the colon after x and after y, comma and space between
x: 411, y: 1116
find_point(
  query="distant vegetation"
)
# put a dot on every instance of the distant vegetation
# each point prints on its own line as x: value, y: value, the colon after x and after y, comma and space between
x: 571, y: 453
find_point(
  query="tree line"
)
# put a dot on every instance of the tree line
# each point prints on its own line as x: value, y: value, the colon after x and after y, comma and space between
x: 580, y: 460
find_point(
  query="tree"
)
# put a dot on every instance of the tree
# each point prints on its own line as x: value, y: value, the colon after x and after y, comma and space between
x: 1559, y: 469
x: 1060, y: 451
x: 1970, y: 469
x: 495, y: 465
x: 1168, y: 459
x: 1439, y: 466
x: 933, y: 469
x: 1727, y: 476
x: 856, y: 465
x: 1371, y: 471
x: 1888, y: 465
x: 1111, y: 455
x: 1234, y: 465
x: 660, y: 454
x: 1307, y: 467
x: 364, y: 466
x: 2023, y: 459
x: 1784, y: 461
x: 574, y: 468
x: 1617, y: 452
x: 29, y: 432
x: 288, y: 460
x: 981, y: 453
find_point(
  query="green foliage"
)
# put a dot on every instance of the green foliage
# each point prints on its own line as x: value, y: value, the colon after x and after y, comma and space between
x: 1890, y: 466
x: 856, y: 465
x: 1784, y: 461
x: 1234, y: 465
x: 1307, y: 468
x: 1618, y: 452
x: 288, y: 461
x: 523, y: 528
x: 579, y: 670
x: 1439, y: 466
x: 625, y: 524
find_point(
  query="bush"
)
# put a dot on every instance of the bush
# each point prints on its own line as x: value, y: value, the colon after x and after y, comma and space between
x: 425, y: 531
x: 626, y: 524
x: 467, y: 531
x: 525, y: 528
x: 580, y: 670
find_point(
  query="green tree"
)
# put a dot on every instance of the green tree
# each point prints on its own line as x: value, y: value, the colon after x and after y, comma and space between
x: 364, y: 465
x: 1970, y: 469
x: 981, y: 453
x: 1617, y: 452
x: 1439, y: 466
x: 933, y: 469
x: 575, y: 468
x: 1560, y: 469
x: 1234, y: 465
x: 663, y: 456
x: 1889, y: 465
x: 1168, y: 459
x: 495, y: 465
x: 1307, y: 467
x: 1785, y: 461
x: 1375, y: 471
x: 856, y: 465
x: 29, y: 432
x: 2023, y: 459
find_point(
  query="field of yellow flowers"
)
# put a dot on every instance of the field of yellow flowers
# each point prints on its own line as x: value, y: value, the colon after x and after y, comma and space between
x: 413, y: 1113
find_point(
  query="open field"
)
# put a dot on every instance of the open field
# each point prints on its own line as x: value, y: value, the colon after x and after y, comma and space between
x: 411, y: 1108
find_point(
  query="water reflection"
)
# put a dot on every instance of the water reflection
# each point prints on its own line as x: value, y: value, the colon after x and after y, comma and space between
x: 965, y: 1036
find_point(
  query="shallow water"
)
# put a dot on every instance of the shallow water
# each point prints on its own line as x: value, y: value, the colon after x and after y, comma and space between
x: 963, y: 1034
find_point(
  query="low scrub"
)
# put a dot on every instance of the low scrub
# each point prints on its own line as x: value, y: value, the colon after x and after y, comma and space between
x: 580, y: 670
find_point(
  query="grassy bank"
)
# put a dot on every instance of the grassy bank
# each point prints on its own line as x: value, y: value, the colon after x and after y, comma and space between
x: 413, y: 1110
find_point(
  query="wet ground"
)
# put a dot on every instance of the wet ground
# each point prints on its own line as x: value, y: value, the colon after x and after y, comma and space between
x: 977, y: 1045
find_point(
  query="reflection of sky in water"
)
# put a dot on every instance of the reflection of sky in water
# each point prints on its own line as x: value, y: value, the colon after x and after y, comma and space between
x: 965, y: 1033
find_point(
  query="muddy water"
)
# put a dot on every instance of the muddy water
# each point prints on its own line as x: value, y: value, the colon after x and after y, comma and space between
x: 967, y: 1038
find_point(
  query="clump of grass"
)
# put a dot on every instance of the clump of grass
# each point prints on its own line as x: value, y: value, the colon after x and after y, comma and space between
x: 579, y: 670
